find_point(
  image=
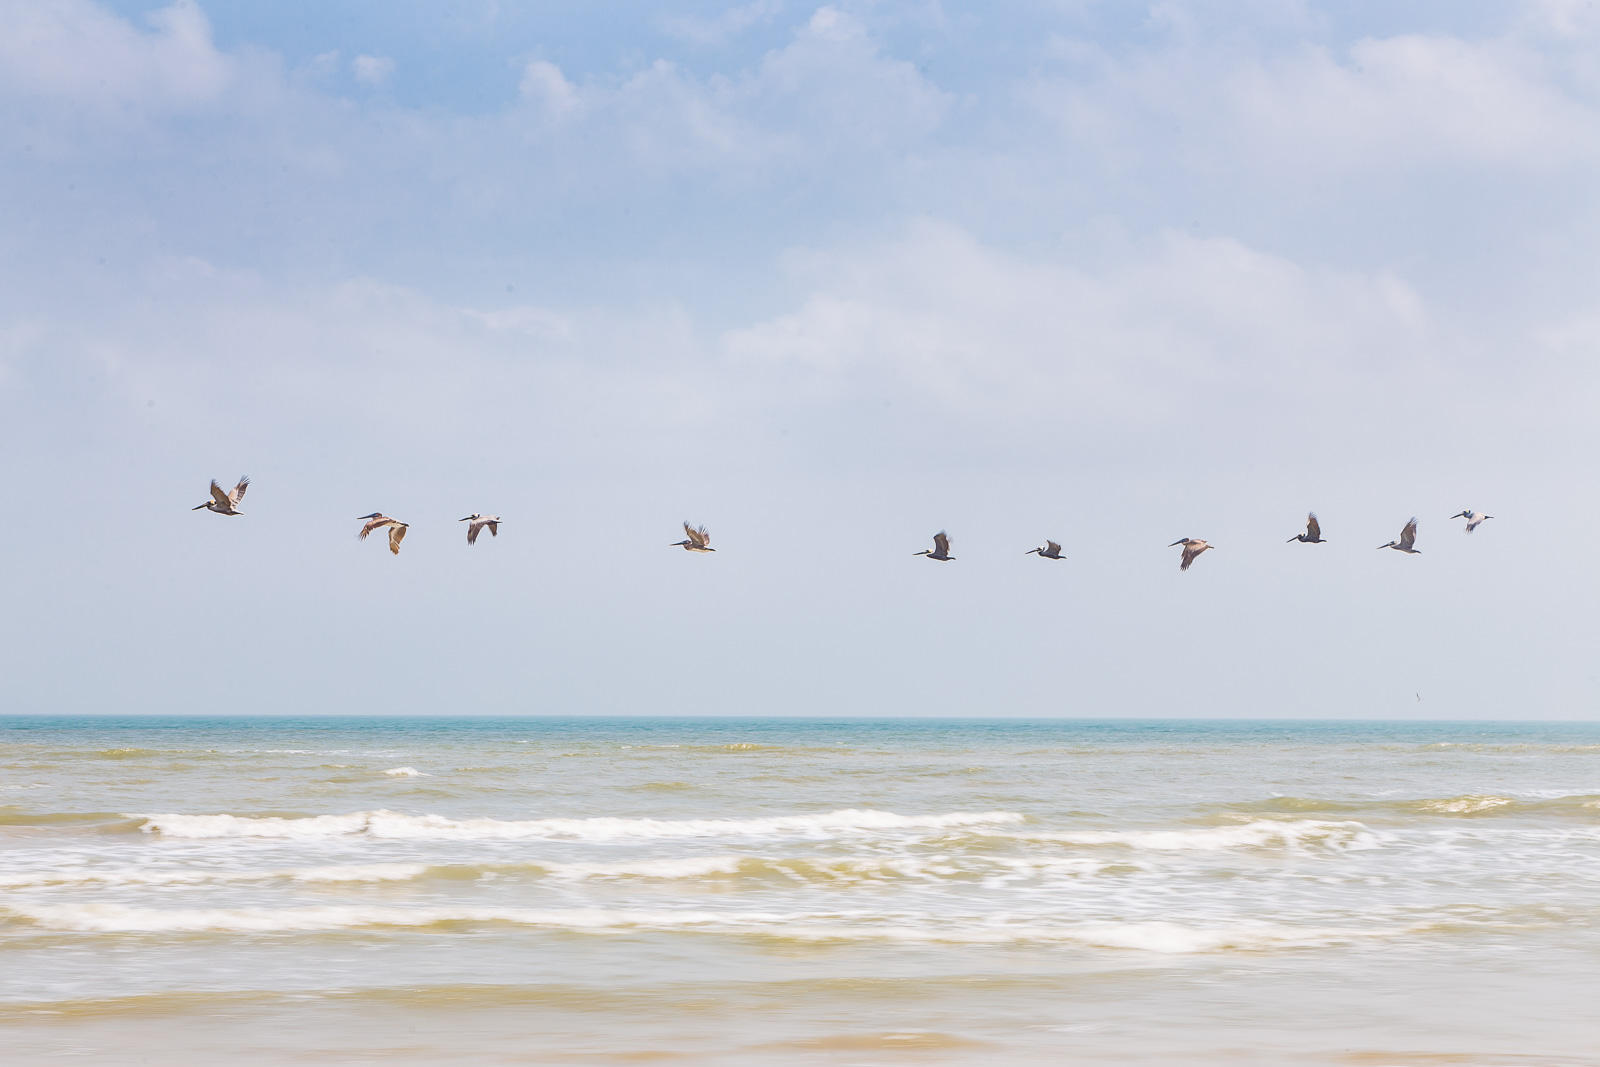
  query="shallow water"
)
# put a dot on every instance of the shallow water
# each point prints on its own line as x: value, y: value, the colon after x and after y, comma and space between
x: 797, y: 892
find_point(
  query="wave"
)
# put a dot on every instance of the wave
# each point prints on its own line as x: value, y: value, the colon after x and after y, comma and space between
x: 1159, y: 937
x: 393, y: 825
x: 364, y: 872
x: 1580, y: 805
x: 406, y: 772
x: 1346, y: 836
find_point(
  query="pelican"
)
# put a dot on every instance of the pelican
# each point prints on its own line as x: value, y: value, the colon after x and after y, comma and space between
x: 1313, y: 534
x: 699, y: 539
x: 377, y: 521
x: 1408, y: 537
x: 1472, y: 517
x: 941, y: 548
x: 1051, y: 550
x: 225, y: 503
x: 1191, y: 551
x: 477, y: 523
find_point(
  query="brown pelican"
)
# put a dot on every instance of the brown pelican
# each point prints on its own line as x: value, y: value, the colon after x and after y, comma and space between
x: 1408, y: 537
x: 1051, y: 550
x: 1191, y: 550
x: 1472, y: 517
x: 699, y: 539
x: 225, y: 503
x: 941, y: 548
x: 377, y: 521
x: 477, y: 523
x: 1313, y: 534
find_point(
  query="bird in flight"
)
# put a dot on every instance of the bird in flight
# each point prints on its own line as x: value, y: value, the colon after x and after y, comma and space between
x: 476, y: 524
x: 377, y: 521
x: 1191, y: 551
x: 1051, y: 550
x: 1408, y: 537
x: 941, y: 548
x: 1473, y: 518
x: 699, y: 539
x: 1313, y: 534
x: 225, y: 503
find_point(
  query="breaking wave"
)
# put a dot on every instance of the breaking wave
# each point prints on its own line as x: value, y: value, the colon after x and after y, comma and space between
x: 393, y: 825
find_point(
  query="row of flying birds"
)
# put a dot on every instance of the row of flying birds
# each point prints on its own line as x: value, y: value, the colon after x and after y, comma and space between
x: 698, y: 539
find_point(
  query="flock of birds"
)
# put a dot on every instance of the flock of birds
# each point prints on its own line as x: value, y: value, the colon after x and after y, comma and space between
x: 698, y: 538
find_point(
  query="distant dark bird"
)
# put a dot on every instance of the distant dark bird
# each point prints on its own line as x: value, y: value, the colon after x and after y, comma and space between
x: 478, y: 522
x: 699, y: 539
x: 377, y: 521
x: 1408, y: 537
x: 1313, y: 534
x: 1051, y: 550
x: 1472, y: 517
x: 941, y: 548
x: 1191, y: 551
x: 225, y: 503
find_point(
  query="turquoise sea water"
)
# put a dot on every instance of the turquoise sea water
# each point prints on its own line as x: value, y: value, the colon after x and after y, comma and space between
x: 721, y: 891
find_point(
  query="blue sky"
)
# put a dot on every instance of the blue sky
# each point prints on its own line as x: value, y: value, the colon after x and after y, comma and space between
x: 827, y: 278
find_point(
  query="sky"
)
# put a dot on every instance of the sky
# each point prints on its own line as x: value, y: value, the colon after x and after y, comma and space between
x: 827, y: 279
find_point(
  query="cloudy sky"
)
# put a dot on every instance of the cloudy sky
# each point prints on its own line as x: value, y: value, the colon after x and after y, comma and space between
x: 827, y: 279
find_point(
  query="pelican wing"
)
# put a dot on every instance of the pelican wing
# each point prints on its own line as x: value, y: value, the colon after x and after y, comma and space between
x: 1408, y: 536
x: 699, y: 535
x: 1052, y: 549
x: 219, y: 496
x: 1191, y: 552
x: 238, y: 491
x: 397, y: 533
x: 494, y: 529
x: 472, y: 532
x: 1313, y: 527
x: 377, y: 523
x: 941, y: 544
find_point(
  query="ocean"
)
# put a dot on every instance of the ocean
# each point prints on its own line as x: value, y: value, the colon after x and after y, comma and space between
x: 308, y: 890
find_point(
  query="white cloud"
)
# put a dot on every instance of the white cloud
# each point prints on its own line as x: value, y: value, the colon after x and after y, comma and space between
x: 372, y: 70
x: 992, y: 334
x: 79, y: 51
x: 718, y: 30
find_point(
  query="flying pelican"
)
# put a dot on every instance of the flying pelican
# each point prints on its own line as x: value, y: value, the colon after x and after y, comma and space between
x: 1313, y: 534
x: 377, y: 521
x: 1051, y: 550
x: 699, y: 540
x: 477, y: 523
x: 1472, y: 517
x: 1408, y: 537
x: 941, y: 548
x: 1191, y: 551
x: 225, y: 503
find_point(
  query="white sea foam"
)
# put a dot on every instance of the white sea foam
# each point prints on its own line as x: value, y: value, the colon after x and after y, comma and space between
x: 393, y: 825
x: 133, y: 876
x: 1467, y: 805
x: 406, y: 772
x: 1262, y: 833
x: 1158, y: 937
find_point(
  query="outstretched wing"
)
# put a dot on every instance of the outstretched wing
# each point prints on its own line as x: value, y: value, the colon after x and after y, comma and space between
x: 381, y: 520
x: 218, y: 495
x: 699, y: 535
x: 494, y: 529
x: 472, y: 532
x: 238, y: 491
x: 1313, y: 527
x: 941, y: 543
x: 1408, y: 536
x: 1189, y: 554
x: 1052, y: 549
x: 397, y: 533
